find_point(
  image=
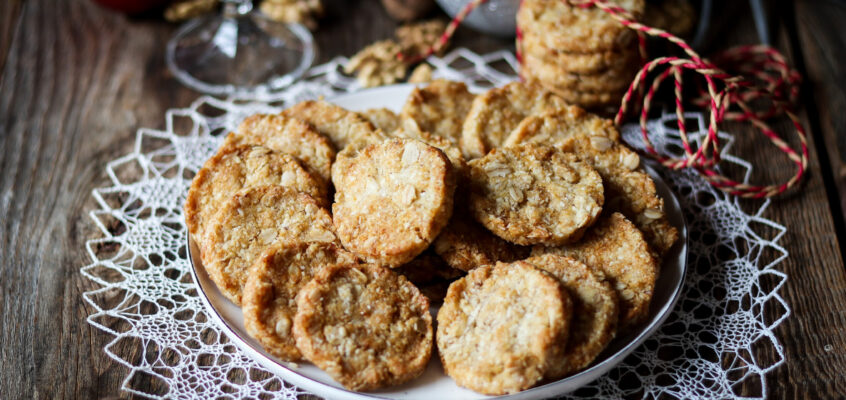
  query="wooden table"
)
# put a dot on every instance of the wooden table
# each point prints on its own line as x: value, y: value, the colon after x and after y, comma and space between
x: 77, y: 81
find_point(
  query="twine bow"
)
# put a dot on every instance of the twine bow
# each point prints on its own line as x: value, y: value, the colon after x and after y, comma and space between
x: 761, y: 75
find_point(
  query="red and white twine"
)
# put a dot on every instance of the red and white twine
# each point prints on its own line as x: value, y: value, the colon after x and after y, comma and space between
x: 760, y: 75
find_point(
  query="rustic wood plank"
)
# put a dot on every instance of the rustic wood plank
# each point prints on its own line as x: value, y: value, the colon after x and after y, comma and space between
x: 820, y: 35
x: 812, y: 337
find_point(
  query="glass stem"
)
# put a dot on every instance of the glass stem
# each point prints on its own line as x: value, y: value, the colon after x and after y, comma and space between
x: 234, y: 8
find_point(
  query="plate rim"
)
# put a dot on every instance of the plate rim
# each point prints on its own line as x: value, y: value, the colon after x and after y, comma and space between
x: 313, y: 385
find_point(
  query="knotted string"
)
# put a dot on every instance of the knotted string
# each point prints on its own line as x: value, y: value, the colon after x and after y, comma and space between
x: 760, y: 75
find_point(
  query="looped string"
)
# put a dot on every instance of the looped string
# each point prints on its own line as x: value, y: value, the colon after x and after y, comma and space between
x: 760, y: 86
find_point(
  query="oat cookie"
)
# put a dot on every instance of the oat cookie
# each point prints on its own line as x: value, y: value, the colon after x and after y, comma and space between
x: 554, y: 127
x: 382, y: 118
x: 287, y: 135
x: 339, y: 125
x: 392, y: 200
x: 236, y: 167
x: 501, y: 328
x: 253, y: 220
x: 409, y: 129
x: 439, y: 108
x: 587, y: 100
x: 617, y: 248
x: 579, y: 63
x: 430, y: 274
x: 269, y: 301
x: 572, y: 28
x: 364, y: 325
x: 606, y: 81
x: 594, y: 322
x: 534, y: 194
x: 629, y: 189
x: 464, y: 244
x: 496, y: 112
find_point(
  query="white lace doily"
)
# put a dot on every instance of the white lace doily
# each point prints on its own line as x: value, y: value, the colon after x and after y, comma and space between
x: 707, y: 348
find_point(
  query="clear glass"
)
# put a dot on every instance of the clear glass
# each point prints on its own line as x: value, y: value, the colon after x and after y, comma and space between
x: 239, y: 52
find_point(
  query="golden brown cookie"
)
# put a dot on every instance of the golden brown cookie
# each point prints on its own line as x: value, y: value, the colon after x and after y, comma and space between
x: 382, y: 118
x: 236, y: 167
x: 629, y: 189
x: 287, y: 135
x: 534, y: 194
x: 409, y: 129
x: 569, y: 27
x: 253, y: 220
x: 595, y: 313
x: 392, y: 200
x: 554, y: 127
x: 439, y: 108
x: 365, y: 325
x: 617, y: 248
x: 610, y: 80
x: 496, y: 112
x: 464, y: 244
x: 501, y: 328
x: 269, y: 301
x: 579, y: 63
x: 341, y: 126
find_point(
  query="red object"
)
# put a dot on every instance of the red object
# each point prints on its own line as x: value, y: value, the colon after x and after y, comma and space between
x: 132, y: 6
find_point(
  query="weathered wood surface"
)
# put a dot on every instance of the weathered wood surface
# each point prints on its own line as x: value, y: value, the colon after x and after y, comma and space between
x: 77, y: 81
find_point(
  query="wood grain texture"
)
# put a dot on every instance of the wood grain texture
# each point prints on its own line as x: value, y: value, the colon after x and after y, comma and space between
x: 77, y: 81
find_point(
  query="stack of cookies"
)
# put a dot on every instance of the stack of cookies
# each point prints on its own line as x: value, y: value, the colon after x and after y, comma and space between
x: 525, y: 217
x: 581, y: 53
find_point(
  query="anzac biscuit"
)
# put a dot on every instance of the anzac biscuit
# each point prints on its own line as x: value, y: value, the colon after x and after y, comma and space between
x: 288, y: 135
x: 392, y: 200
x: 579, y: 63
x: 629, y: 189
x: 366, y: 326
x: 269, y: 301
x: 439, y: 108
x: 501, y: 328
x: 554, y: 127
x: 253, y: 220
x: 236, y: 167
x: 571, y: 28
x: 382, y: 118
x: 464, y: 244
x: 617, y: 248
x: 496, y: 112
x: 594, y: 322
x: 606, y: 81
x: 430, y: 274
x: 411, y: 130
x: 593, y: 101
x: 534, y: 194
x: 341, y: 126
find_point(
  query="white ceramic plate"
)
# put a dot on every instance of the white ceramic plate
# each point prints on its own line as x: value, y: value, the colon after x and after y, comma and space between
x: 434, y: 384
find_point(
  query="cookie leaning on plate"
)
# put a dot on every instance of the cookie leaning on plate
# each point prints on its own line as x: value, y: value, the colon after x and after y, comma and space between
x: 595, y: 311
x: 496, y: 112
x: 534, y: 194
x: 236, y: 167
x: 269, y: 300
x: 392, y: 199
x: 617, y: 248
x: 439, y: 108
x: 365, y: 325
x: 342, y: 127
x: 254, y: 220
x: 501, y: 328
x: 287, y: 135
